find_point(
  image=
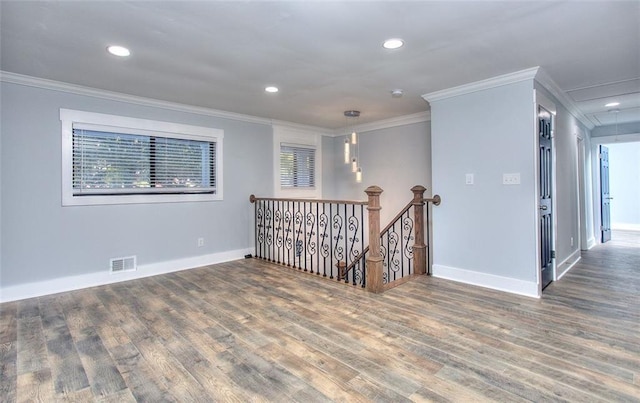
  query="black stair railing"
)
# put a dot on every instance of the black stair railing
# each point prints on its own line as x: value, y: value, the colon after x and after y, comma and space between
x: 321, y: 237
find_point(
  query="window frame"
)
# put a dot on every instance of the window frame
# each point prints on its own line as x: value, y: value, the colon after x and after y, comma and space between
x: 69, y: 117
x: 294, y: 147
x: 290, y: 136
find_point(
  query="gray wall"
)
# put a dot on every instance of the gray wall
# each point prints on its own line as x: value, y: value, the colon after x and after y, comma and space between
x: 396, y: 159
x: 488, y: 133
x: 42, y: 240
x: 486, y: 227
x: 567, y: 202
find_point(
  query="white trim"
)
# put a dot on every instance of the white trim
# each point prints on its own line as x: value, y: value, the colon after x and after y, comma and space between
x: 70, y: 283
x: 386, y: 123
x: 625, y: 226
x: 303, y: 128
x: 545, y: 80
x: 505, y: 79
x: 591, y: 242
x: 507, y: 284
x: 537, y: 73
x: 36, y: 82
x: 291, y: 135
x: 70, y: 117
x: 570, y: 261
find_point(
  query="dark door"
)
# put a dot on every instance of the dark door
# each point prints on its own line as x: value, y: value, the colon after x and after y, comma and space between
x: 605, y: 197
x: 546, y: 212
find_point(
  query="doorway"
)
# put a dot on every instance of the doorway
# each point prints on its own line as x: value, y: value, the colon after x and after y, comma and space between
x: 615, y: 199
x: 605, y: 195
x: 545, y: 186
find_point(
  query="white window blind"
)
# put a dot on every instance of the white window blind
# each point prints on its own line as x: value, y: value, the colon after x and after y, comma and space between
x: 297, y: 166
x: 122, y: 162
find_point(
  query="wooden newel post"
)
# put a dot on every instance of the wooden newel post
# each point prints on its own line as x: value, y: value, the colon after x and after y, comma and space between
x: 374, y: 259
x: 419, y: 248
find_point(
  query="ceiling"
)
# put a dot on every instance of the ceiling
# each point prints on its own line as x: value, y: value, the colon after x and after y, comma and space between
x: 327, y: 56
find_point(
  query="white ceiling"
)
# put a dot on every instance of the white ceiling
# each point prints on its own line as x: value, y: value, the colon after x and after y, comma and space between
x: 326, y: 56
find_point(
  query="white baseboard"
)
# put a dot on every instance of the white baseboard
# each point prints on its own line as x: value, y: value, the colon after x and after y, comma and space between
x: 512, y: 285
x: 591, y: 242
x: 625, y: 226
x: 70, y: 283
x: 567, y: 264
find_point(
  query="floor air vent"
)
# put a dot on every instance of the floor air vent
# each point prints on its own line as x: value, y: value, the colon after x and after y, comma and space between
x: 123, y: 264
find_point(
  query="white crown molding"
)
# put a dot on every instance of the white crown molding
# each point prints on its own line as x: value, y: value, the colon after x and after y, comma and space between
x: 303, y: 128
x: 387, y: 123
x: 505, y: 79
x: 545, y: 80
x: 36, y: 82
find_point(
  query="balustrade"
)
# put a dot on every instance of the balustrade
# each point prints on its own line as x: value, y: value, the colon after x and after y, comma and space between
x: 331, y: 238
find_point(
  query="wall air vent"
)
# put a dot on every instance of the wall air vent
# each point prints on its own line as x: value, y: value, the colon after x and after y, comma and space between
x: 121, y: 264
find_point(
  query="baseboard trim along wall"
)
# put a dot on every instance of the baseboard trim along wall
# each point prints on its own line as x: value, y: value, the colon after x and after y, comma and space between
x: 591, y: 242
x: 512, y: 285
x: 56, y: 285
x: 625, y: 226
x: 567, y: 264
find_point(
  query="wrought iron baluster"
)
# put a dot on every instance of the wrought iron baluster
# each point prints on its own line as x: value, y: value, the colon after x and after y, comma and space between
x: 346, y: 247
x: 408, y: 224
x: 304, y: 235
x: 318, y: 239
x: 331, y: 264
x: 277, y: 215
x: 364, y: 258
x: 311, y: 241
x: 353, y: 249
x: 324, y: 248
x: 269, y: 231
x: 257, y: 205
x: 298, y: 218
x: 338, y: 250
x: 287, y: 240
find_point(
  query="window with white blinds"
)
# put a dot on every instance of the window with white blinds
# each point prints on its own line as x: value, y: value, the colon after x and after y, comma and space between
x: 119, y: 163
x: 109, y: 159
x: 297, y: 166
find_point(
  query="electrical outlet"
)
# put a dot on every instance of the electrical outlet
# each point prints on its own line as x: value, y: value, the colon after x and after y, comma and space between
x: 571, y: 241
x: 200, y: 242
x: 511, y: 179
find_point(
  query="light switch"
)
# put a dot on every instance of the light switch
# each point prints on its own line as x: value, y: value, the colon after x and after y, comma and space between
x: 468, y: 179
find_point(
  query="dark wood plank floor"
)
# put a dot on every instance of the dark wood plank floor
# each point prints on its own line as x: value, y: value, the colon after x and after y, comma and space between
x: 246, y: 331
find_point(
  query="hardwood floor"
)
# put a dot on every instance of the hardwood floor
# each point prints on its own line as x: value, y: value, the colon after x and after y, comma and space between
x: 247, y: 331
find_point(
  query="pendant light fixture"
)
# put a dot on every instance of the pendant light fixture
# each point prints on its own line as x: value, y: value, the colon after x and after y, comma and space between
x: 350, y: 142
x: 347, y: 151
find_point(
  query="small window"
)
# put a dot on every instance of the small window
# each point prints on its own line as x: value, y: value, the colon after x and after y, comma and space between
x: 110, y: 159
x: 297, y: 166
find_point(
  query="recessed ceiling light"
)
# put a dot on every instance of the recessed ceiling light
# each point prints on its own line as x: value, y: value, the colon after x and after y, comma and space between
x: 610, y: 104
x: 271, y: 89
x: 394, y: 43
x: 118, y: 51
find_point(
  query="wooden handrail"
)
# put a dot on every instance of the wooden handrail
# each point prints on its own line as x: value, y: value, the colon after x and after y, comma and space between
x: 436, y: 200
x: 253, y: 199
